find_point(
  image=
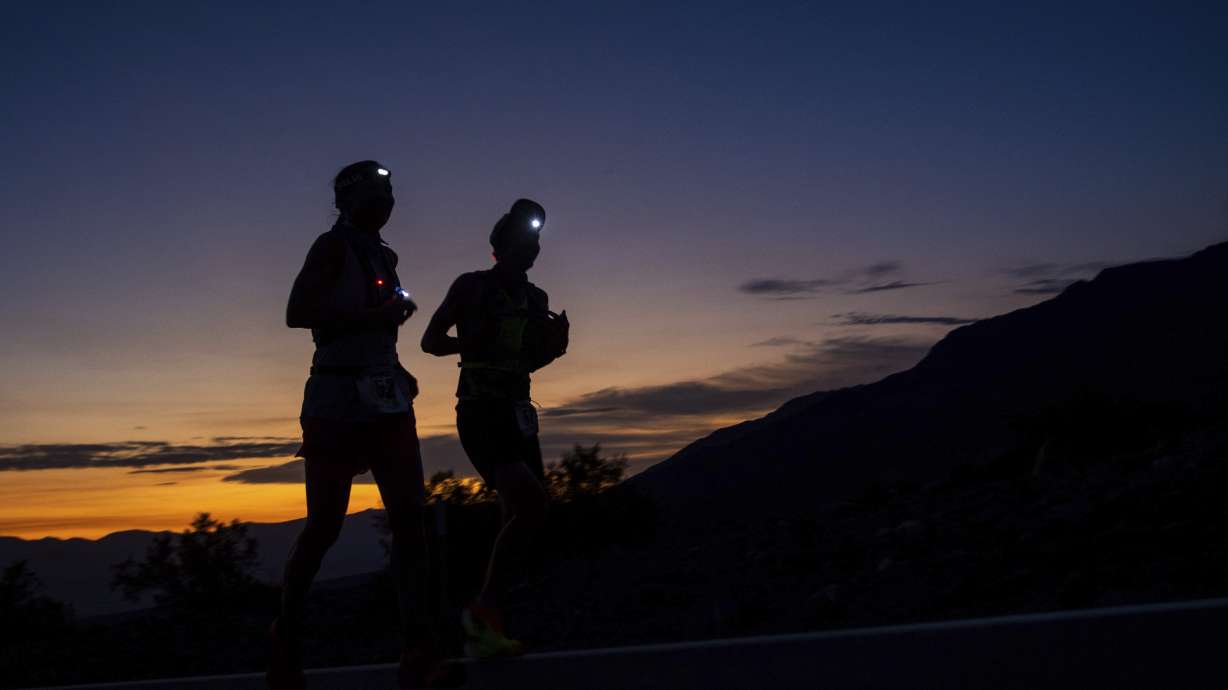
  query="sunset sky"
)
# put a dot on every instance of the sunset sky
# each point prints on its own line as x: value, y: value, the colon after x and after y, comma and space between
x: 745, y: 204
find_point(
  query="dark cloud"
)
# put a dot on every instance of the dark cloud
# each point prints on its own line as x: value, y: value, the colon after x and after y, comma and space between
x: 681, y: 398
x: 46, y: 456
x: 285, y: 473
x: 777, y: 287
x: 166, y: 483
x: 571, y: 411
x: 856, y: 318
x: 189, y: 468
x: 781, y: 341
x: 648, y: 423
x: 857, y: 281
x: 882, y: 268
x: 830, y: 364
x: 882, y: 287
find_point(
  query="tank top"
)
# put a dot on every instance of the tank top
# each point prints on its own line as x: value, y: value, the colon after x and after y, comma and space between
x: 346, y: 356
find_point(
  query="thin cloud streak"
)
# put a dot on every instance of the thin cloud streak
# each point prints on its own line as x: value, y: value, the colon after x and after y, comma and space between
x: 779, y: 287
x: 834, y: 363
x: 48, y: 456
x: 1052, y: 278
x: 781, y: 341
x: 189, y: 468
x: 1044, y: 270
x: 866, y: 279
x: 882, y: 268
x: 573, y: 411
x: 883, y: 287
x: 857, y: 318
x: 1045, y: 286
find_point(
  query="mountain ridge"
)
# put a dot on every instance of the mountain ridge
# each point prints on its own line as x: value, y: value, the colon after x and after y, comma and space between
x: 1138, y: 332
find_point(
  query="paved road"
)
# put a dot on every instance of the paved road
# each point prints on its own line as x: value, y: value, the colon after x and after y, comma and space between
x: 1169, y: 646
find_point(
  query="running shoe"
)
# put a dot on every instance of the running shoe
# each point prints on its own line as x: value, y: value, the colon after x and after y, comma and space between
x: 484, y: 633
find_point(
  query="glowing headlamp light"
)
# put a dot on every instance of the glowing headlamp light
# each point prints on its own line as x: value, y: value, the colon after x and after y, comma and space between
x: 535, y: 223
x: 381, y: 172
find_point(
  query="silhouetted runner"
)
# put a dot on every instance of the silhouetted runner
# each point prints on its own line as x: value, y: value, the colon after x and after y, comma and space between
x: 504, y: 331
x: 357, y: 415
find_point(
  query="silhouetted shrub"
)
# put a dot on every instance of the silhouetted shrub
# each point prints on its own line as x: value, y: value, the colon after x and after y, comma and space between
x: 445, y: 487
x: 207, y: 566
x: 583, y: 472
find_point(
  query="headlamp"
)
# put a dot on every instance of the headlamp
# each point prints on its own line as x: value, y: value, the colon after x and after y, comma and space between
x: 535, y: 223
x: 360, y: 176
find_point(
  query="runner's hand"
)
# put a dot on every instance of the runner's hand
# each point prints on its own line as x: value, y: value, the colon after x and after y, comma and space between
x: 395, y: 309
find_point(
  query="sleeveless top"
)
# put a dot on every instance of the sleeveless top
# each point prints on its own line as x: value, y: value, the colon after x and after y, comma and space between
x: 493, y: 362
x: 345, y: 355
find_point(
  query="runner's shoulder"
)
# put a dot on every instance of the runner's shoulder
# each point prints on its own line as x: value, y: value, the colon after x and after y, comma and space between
x: 329, y: 244
x: 327, y: 251
x: 471, y: 281
x: 468, y: 287
x: 538, y: 296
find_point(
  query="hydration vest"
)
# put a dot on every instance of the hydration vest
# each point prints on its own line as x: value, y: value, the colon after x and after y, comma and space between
x: 500, y: 363
x: 345, y: 354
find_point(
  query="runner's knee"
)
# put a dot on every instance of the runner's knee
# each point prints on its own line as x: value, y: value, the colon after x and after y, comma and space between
x: 531, y: 509
x: 322, y: 532
x: 406, y: 524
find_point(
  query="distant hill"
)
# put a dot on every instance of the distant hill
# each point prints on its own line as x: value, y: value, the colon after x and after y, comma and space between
x: 1144, y: 334
x: 77, y: 571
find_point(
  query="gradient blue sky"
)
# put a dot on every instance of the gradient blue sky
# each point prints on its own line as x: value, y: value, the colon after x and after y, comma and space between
x: 722, y: 181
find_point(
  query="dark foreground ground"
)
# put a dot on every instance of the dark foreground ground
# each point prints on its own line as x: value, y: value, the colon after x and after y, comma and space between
x: 1028, y: 533
x: 1147, y: 526
x: 1124, y: 647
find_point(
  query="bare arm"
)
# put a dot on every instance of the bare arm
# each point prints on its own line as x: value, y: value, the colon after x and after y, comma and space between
x: 435, y: 339
x: 308, y: 305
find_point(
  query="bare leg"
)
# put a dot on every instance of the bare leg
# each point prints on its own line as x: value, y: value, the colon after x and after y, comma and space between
x: 401, y: 488
x: 328, y: 496
x: 525, y: 505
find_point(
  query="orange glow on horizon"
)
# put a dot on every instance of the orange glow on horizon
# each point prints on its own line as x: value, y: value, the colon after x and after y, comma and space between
x: 91, y: 503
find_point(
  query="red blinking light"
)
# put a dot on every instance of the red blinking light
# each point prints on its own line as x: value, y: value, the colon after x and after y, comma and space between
x: 379, y: 281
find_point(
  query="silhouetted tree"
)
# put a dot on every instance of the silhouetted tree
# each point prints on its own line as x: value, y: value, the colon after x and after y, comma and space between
x: 584, y: 472
x: 208, y: 565
x: 24, y: 610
